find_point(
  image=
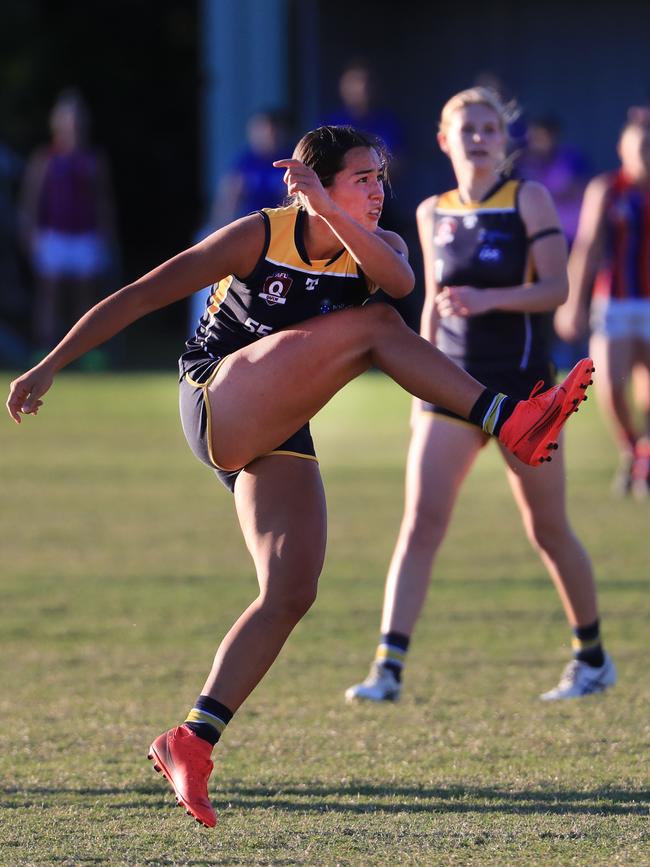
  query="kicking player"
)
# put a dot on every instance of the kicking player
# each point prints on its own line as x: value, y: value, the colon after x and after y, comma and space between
x: 285, y: 328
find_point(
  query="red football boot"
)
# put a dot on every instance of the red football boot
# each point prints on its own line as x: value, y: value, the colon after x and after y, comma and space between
x: 532, y: 430
x: 184, y: 759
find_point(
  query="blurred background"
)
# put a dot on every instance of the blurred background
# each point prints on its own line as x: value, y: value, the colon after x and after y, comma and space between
x: 180, y: 106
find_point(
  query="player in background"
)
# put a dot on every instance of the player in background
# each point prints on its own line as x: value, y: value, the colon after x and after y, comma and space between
x: 284, y: 330
x: 494, y: 262
x: 611, y: 259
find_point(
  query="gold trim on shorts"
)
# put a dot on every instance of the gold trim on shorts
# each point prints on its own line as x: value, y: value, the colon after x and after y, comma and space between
x: 204, y: 389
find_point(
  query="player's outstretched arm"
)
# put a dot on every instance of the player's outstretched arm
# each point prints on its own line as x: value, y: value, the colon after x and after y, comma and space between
x: 231, y: 250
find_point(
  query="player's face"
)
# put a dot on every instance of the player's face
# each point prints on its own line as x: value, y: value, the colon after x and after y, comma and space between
x: 474, y: 136
x: 359, y: 187
x: 634, y: 150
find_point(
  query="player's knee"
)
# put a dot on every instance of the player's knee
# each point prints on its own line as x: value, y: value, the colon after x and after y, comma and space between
x: 547, y: 535
x: 293, y: 601
x: 426, y: 528
x: 383, y: 317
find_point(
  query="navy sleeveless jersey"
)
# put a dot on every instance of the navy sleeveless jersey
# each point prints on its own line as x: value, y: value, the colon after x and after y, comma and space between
x: 285, y: 288
x: 484, y: 245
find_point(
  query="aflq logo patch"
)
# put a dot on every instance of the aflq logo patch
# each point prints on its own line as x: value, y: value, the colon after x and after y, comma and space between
x: 275, y: 288
x: 445, y: 231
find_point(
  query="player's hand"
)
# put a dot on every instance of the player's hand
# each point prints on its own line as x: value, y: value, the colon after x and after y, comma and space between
x: 302, y: 179
x: 25, y: 392
x: 570, y: 322
x: 461, y: 301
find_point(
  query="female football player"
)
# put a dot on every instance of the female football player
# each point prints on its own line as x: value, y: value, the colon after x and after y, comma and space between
x: 495, y: 260
x: 610, y: 256
x: 285, y: 328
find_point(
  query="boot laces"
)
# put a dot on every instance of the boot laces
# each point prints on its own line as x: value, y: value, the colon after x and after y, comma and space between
x: 539, y: 385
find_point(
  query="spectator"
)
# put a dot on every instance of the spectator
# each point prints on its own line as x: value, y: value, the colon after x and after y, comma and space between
x: 68, y: 222
x: 251, y: 184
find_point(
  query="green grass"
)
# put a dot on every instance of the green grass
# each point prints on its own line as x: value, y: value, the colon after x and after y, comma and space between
x: 122, y: 566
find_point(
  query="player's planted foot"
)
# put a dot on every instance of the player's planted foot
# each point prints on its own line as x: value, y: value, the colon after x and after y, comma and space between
x: 622, y: 481
x: 531, y: 433
x: 183, y: 759
x: 579, y: 679
x: 640, y: 473
x: 380, y: 685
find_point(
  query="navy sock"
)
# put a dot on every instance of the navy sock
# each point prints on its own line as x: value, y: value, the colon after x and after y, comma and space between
x: 391, y: 652
x: 491, y: 411
x: 587, y: 645
x: 208, y: 718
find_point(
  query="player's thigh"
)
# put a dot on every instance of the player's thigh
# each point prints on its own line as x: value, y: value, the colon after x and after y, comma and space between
x: 281, y: 508
x: 540, y: 492
x: 613, y: 359
x: 441, y: 453
x: 264, y: 392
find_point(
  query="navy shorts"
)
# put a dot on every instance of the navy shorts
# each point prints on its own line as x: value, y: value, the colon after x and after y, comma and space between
x: 516, y: 383
x: 195, y: 421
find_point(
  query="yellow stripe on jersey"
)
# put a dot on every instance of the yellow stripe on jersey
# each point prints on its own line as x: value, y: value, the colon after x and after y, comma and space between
x: 503, y: 199
x: 219, y: 292
x: 283, y: 253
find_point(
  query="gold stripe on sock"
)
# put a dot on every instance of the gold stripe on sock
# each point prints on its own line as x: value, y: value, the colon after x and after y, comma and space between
x: 492, y: 415
x: 582, y: 644
x: 199, y: 716
x: 384, y: 653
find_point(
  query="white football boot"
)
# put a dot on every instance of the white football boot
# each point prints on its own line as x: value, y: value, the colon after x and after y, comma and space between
x: 380, y: 685
x: 579, y: 679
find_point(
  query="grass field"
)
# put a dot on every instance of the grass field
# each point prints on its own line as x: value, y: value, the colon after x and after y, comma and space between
x: 122, y: 565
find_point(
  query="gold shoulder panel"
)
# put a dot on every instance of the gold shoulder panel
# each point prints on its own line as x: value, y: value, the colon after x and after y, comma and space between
x: 504, y: 199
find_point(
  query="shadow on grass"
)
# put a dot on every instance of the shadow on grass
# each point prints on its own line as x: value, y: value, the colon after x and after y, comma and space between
x: 363, y: 798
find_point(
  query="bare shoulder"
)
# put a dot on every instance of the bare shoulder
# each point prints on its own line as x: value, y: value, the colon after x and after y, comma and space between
x: 598, y: 187
x: 246, y: 229
x: 533, y: 195
x: 394, y: 240
x: 537, y: 208
x: 239, y: 244
x: 426, y: 209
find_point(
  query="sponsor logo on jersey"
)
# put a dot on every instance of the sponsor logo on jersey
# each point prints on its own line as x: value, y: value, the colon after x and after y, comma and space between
x: 311, y: 283
x: 489, y: 254
x: 328, y: 307
x: 493, y: 236
x: 275, y: 288
x: 470, y: 220
x: 445, y: 231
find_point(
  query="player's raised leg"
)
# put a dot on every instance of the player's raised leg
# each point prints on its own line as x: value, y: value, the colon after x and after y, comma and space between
x: 264, y: 392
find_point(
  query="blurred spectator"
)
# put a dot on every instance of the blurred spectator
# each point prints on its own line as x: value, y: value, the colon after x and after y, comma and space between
x: 562, y: 169
x: 250, y: 184
x: 610, y: 256
x: 14, y: 349
x: 361, y: 107
x: 68, y: 222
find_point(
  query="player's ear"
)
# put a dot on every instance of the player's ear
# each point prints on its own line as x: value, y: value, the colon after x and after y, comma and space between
x: 442, y: 143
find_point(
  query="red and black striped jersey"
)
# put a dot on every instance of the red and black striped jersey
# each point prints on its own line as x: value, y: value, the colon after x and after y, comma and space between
x: 625, y: 272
